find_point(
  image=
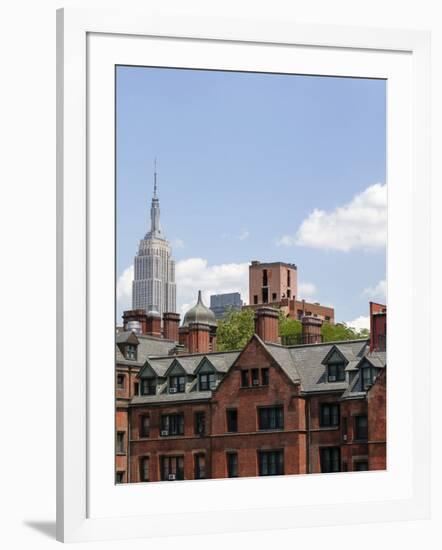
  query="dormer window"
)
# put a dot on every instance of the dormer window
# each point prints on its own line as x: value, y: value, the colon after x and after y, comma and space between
x: 369, y: 375
x: 336, y: 372
x: 207, y: 381
x: 131, y: 352
x: 148, y: 386
x: 177, y: 384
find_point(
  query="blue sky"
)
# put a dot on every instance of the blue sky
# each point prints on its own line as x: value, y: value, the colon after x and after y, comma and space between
x: 256, y: 166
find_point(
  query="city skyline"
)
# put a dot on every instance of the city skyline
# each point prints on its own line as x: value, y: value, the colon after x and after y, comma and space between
x: 219, y: 216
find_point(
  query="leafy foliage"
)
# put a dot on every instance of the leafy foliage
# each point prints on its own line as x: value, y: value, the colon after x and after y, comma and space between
x: 235, y: 330
x: 238, y: 326
x: 340, y: 331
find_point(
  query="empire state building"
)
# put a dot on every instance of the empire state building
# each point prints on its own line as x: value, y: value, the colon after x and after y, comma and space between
x: 153, y: 287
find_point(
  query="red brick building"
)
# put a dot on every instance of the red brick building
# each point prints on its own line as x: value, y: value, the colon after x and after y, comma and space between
x: 267, y: 409
x: 276, y: 284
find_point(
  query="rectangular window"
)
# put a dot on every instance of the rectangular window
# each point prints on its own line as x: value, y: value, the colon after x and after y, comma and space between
x: 288, y: 278
x: 265, y: 377
x: 200, y: 466
x: 344, y: 428
x: 144, y: 468
x: 232, y: 420
x: 120, y: 381
x: 136, y: 388
x: 172, y: 424
x: 144, y: 425
x: 289, y: 293
x: 361, y: 466
x: 361, y: 427
x: 265, y: 295
x: 148, y: 386
x: 177, y: 384
x: 232, y: 464
x: 200, y: 422
x: 368, y: 377
x: 336, y: 372
x: 273, y: 296
x: 255, y: 377
x: 119, y: 477
x: 271, y: 418
x: 329, y: 414
x: 265, y: 281
x: 120, y: 443
x: 207, y: 381
x: 255, y: 299
x: 330, y: 459
x: 244, y: 378
x: 131, y: 352
x: 172, y: 468
x: 271, y: 463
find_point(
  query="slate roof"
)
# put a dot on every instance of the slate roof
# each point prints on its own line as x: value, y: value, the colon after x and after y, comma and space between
x: 222, y: 361
x: 148, y: 346
x: 303, y: 364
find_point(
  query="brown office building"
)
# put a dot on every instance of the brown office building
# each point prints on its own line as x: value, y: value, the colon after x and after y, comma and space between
x: 266, y: 409
x: 276, y: 284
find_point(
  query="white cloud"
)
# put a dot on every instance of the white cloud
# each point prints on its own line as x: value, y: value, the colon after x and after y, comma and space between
x: 195, y: 274
x: 244, y: 235
x: 192, y: 275
x: 178, y: 243
x: 359, y: 323
x: 377, y: 292
x: 306, y: 290
x: 359, y: 224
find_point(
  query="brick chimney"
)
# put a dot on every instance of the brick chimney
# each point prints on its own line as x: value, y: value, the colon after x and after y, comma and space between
x: 199, y: 338
x: 171, y: 323
x: 138, y: 315
x: 311, y: 330
x: 153, y: 324
x: 378, y: 327
x: 266, y: 324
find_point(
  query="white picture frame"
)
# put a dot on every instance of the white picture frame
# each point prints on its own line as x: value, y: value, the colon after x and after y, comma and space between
x: 90, y: 43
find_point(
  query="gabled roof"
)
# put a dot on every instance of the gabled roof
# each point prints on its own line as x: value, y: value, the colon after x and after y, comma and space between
x: 309, y: 361
x: 126, y: 337
x: 222, y: 361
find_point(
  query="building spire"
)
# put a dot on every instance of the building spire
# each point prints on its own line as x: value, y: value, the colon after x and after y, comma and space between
x: 155, y: 178
x: 155, y: 227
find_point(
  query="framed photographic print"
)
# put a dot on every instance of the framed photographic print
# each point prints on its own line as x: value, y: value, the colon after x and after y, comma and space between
x: 234, y: 199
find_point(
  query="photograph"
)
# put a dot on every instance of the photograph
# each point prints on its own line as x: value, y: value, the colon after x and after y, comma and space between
x: 250, y: 274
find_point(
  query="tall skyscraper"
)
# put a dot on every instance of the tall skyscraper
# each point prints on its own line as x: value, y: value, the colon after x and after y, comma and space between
x: 153, y: 287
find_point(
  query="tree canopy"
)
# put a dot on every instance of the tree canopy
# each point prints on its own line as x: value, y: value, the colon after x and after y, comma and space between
x: 237, y: 327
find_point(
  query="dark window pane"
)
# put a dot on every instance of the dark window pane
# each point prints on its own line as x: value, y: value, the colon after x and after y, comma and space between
x: 255, y: 377
x: 200, y: 423
x: 361, y: 465
x: 144, y: 426
x: 361, y: 427
x: 265, y: 377
x: 271, y: 418
x: 232, y: 464
x: 271, y: 463
x: 200, y: 466
x: 144, y: 469
x: 244, y: 378
x: 120, y: 442
x: 232, y: 420
x: 330, y: 459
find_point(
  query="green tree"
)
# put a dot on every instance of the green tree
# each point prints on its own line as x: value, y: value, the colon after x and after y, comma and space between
x: 290, y: 330
x: 341, y: 331
x: 235, y: 329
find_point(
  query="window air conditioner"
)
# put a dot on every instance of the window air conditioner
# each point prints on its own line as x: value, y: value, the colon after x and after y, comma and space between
x: 164, y: 432
x: 256, y: 382
x: 344, y: 437
x: 172, y: 477
x: 172, y: 390
x: 332, y: 378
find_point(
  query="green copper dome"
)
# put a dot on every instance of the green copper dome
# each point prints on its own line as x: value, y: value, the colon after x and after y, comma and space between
x: 200, y: 314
